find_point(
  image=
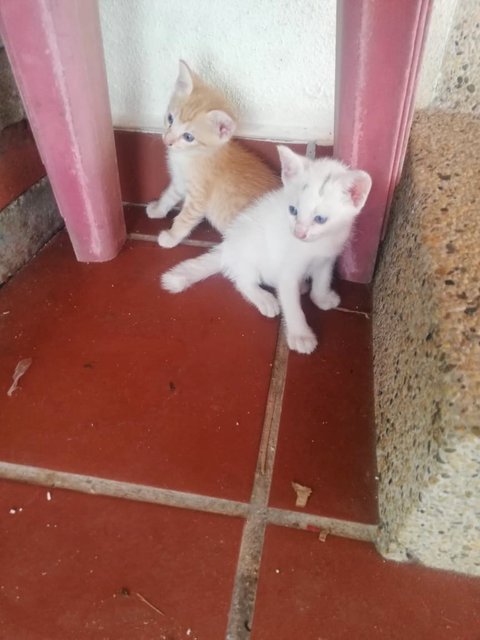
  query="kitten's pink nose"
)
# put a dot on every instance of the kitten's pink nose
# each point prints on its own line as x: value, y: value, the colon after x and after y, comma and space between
x: 300, y: 232
x: 168, y: 138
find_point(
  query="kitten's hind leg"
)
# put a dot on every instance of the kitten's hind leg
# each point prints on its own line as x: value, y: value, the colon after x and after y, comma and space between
x: 321, y: 294
x: 190, y: 271
x: 265, y: 301
x: 160, y: 208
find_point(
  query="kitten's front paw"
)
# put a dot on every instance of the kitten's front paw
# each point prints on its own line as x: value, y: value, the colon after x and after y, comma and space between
x: 155, y: 210
x: 329, y: 300
x: 304, y: 342
x: 174, y: 281
x: 267, y: 304
x: 167, y: 240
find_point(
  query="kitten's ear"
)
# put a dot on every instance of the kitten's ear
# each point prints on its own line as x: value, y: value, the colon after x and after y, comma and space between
x: 223, y: 123
x: 292, y: 163
x: 358, y: 185
x: 184, y: 83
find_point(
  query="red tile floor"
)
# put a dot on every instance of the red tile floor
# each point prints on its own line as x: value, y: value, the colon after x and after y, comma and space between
x: 147, y: 456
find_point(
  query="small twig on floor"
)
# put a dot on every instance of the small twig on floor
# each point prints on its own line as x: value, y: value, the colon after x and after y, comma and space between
x: 450, y: 621
x: 361, y: 313
x: 149, y: 604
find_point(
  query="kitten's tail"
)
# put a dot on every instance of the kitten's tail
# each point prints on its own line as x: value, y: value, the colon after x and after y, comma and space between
x: 191, y: 271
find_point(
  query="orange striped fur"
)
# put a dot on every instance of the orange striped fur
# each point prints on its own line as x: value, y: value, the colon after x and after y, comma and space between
x: 214, y: 176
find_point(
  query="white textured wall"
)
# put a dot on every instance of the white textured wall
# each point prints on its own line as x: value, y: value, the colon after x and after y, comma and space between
x: 275, y: 58
x: 441, y: 22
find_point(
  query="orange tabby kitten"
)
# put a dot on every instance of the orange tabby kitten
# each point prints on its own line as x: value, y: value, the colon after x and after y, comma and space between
x: 214, y: 176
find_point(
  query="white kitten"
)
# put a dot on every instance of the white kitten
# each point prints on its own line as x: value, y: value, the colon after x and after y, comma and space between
x: 290, y: 234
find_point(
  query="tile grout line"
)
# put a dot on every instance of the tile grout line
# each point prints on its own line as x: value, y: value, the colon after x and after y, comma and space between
x: 94, y: 485
x: 135, y: 204
x: 147, y: 237
x: 322, y: 524
x: 240, y: 618
x: 143, y: 205
x: 271, y: 426
x: 97, y: 486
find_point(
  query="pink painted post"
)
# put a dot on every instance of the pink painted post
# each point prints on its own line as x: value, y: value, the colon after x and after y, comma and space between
x: 379, y: 46
x: 55, y: 49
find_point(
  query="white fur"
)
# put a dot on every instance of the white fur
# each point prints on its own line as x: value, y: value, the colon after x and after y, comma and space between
x: 268, y: 245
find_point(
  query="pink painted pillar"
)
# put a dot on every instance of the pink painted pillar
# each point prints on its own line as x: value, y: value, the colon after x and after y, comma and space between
x: 379, y: 46
x: 55, y: 49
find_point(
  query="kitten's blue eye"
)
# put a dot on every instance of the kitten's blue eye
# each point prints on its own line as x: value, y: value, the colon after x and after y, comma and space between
x: 320, y: 219
x: 170, y: 118
x: 188, y: 137
x: 293, y: 210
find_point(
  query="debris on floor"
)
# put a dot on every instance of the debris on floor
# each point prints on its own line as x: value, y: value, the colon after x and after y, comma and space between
x: 20, y: 370
x: 322, y: 536
x: 15, y: 510
x: 149, y: 604
x: 303, y: 494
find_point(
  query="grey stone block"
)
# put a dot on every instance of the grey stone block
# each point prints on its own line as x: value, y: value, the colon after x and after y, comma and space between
x: 11, y: 108
x: 426, y: 327
x: 25, y: 226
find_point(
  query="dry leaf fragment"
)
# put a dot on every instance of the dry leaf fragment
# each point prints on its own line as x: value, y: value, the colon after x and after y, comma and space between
x: 322, y: 536
x: 303, y: 494
x: 20, y: 370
